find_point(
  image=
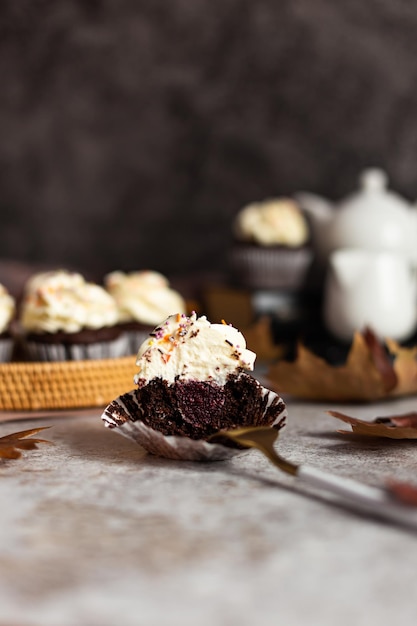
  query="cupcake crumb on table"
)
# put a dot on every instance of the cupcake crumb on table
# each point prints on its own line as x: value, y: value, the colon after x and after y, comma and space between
x: 271, y: 247
x: 144, y: 298
x: 64, y: 317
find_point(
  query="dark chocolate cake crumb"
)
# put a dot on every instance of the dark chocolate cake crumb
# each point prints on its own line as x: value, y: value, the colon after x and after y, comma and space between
x: 197, y: 409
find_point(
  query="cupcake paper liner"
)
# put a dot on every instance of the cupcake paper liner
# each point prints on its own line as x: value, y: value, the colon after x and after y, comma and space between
x: 38, y: 351
x: 6, y: 349
x: 176, y: 447
x: 270, y: 268
x: 118, y: 416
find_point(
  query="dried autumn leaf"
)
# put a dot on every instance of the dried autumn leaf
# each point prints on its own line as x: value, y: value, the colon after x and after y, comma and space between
x: 236, y: 307
x: 10, y: 445
x: 393, y: 427
x: 402, y: 492
x: 373, y: 371
x: 365, y: 375
x: 405, y: 366
x: 381, y: 360
x: 259, y: 339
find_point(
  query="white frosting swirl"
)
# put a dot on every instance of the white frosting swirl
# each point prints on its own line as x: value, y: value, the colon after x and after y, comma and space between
x: 143, y: 296
x: 272, y: 222
x: 58, y: 301
x: 191, y: 348
x: 7, y: 308
x: 56, y: 279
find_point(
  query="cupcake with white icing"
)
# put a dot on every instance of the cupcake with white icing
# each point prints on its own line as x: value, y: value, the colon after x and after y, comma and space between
x: 144, y: 299
x: 64, y: 317
x: 271, y: 247
x: 193, y: 380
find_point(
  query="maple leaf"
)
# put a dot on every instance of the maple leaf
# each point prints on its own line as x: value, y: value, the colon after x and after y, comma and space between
x: 402, y: 491
x: 259, y: 339
x: 373, y: 370
x: 312, y: 377
x: 381, y: 360
x: 393, y: 427
x: 405, y: 366
x: 10, y: 445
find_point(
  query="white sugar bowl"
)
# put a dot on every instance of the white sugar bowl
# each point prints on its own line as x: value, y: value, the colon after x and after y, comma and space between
x: 376, y: 289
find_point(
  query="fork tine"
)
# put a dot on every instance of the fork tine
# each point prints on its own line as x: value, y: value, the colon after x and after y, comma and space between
x: 264, y: 433
x: 262, y: 438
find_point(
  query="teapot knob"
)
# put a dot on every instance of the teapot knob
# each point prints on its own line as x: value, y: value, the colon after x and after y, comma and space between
x: 373, y: 179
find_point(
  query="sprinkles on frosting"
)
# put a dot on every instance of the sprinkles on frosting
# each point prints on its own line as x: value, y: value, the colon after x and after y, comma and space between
x: 166, y: 339
x: 213, y: 351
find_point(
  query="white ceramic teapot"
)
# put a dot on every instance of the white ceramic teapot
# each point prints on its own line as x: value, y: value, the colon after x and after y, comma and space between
x: 375, y: 289
x: 373, y: 218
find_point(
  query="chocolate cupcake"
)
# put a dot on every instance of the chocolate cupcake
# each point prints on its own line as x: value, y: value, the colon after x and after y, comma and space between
x: 63, y: 317
x: 192, y: 382
x: 271, y: 247
x: 144, y: 299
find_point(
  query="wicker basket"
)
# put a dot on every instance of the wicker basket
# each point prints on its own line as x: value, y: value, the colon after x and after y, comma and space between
x: 64, y: 384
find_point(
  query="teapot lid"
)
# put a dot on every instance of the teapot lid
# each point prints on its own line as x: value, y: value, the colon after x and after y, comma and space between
x: 373, y: 193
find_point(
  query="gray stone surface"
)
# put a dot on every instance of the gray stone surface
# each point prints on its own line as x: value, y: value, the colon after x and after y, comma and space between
x: 95, y: 532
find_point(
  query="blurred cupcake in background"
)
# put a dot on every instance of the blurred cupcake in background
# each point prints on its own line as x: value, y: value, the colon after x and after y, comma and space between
x: 271, y: 248
x: 63, y: 317
x: 144, y: 299
x: 54, y: 279
x: 7, y: 311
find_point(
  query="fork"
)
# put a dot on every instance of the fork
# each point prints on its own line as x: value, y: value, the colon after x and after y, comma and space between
x: 377, y: 501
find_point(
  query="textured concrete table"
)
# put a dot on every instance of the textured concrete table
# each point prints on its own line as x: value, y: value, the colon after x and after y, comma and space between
x: 96, y: 532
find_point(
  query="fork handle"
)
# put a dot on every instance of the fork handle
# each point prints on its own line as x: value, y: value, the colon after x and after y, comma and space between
x: 373, y: 500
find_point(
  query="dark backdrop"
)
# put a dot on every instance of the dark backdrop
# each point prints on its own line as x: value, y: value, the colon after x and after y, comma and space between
x: 131, y: 131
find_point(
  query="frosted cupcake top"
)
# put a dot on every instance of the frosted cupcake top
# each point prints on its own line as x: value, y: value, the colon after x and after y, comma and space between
x: 7, y: 309
x: 143, y: 296
x: 55, y: 279
x: 272, y: 222
x: 191, y: 348
x: 64, y: 301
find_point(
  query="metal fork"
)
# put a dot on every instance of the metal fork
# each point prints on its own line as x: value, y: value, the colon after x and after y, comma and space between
x: 376, y: 501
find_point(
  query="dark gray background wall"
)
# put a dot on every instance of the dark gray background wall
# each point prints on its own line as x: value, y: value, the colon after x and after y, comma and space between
x: 131, y: 131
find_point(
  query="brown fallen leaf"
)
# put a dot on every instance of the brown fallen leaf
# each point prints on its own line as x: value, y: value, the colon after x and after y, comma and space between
x: 393, y: 427
x: 402, y: 492
x: 381, y: 360
x: 259, y: 339
x: 405, y: 366
x: 236, y: 307
x: 10, y: 445
x: 365, y: 376
x: 373, y: 370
